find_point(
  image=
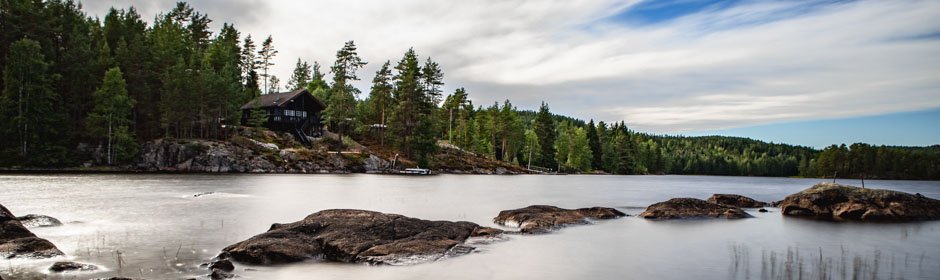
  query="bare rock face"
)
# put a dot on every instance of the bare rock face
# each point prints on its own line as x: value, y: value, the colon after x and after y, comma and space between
x: 836, y: 202
x: 736, y: 201
x: 18, y: 242
x: 685, y: 208
x: 357, y: 236
x: 60, y: 267
x: 545, y: 218
x: 33, y: 221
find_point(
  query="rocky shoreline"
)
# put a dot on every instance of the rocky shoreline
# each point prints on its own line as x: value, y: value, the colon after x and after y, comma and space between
x: 268, y: 152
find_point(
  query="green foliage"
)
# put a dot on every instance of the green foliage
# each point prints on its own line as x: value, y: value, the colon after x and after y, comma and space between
x: 29, y: 109
x: 265, y: 60
x: 111, y: 116
x: 341, y: 105
x: 300, y: 77
x: 545, y: 129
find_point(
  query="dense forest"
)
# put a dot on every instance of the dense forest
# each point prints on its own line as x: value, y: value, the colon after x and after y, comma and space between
x: 73, y: 85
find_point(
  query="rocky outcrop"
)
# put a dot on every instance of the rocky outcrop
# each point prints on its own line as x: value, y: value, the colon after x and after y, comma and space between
x: 18, y: 242
x: 33, y: 221
x: 684, y: 208
x: 836, y: 202
x: 736, y: 201
x: 357, y: 236
x: 544, y: 218
x: 60, y: 267
x: 243, y: 155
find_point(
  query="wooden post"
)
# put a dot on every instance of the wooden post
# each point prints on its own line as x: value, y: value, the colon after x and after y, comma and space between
x: 834, y: 176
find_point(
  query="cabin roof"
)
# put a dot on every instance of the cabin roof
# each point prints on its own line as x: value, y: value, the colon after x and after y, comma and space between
x: 278, y: 99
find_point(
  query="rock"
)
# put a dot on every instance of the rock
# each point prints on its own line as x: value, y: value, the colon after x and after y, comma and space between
x: 223, y: 265
x: 219, y: 274
x: 682, y: 208
x: 544, y: 218
x: 762, y: 210
x: 18, y: 242
x: 736, y: 201
x: 203, y: 193
x: 355, y: 236
x: 836, y: 202
x: 33, y: 220
x: 60, y: 267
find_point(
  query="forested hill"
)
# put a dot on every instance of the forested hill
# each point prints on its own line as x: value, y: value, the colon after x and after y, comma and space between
x: 88, y: 91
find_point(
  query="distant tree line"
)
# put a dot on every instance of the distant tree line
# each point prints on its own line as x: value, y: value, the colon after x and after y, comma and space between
x: 111, y: 84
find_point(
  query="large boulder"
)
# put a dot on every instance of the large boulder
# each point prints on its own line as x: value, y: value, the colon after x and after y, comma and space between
x: 684, y: 208
x: 836, y: 202
x: 34, y: 220
x: 18, y: 242
x: 736, y: 201
x: 357, y: 236
x: 544, y: 218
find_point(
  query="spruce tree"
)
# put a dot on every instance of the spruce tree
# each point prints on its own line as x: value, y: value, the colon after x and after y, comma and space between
x: 545, y: 129
x: 594, y: 144
x: 300, y: 77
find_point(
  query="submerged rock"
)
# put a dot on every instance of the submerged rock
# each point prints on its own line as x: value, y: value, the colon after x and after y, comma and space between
x: 683, y: 208
x: 356, y: 236
x: 836, y: 202
x: 33, y: 220
x: 736, y: 201
x: 544, y: 218
x: 18, y: 242
x: 60, y: 267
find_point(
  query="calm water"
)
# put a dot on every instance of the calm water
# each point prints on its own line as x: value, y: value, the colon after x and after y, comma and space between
x: 163, y: 232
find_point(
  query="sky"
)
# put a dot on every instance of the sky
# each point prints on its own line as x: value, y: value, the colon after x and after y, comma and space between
x: 803, y: 72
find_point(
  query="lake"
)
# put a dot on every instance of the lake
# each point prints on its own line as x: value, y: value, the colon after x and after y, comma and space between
x: 153, y: 227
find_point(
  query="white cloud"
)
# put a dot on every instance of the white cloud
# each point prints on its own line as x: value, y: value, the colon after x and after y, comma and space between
x: 756, y: 63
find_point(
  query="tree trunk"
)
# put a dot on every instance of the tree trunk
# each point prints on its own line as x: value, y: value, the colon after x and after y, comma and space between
x: 110, y: 137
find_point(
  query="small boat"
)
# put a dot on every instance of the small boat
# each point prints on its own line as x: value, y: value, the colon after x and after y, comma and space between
x: 415, y: 171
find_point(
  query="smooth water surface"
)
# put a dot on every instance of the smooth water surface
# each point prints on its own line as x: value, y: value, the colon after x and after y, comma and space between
x: 153, y: 227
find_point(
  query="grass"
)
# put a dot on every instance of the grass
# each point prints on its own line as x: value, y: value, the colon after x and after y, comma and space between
x: 815, y: 264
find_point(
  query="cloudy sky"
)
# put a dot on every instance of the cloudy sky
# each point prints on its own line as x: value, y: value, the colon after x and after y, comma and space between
x: 774, y: 70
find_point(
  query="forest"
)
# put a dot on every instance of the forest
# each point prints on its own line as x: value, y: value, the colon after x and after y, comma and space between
x: 72, y: 84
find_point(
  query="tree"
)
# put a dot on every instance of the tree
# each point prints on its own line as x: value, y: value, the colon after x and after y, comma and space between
x: 111, y: 116
x: 265, y: 60
x: 380, y: 97
x: 30, y: 118
x: 258, y: 116
x: 318, y: 86
x: 594, y: 143
x: 545, y: 129
x: 342, y: 104
x: 531, y: 149
x: 274, y: 85
x: 300, y: 77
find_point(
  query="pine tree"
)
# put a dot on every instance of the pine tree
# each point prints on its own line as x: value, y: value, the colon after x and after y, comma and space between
x: 380, y: 97
x: 407, y: 95
x: 111, y: 115
x: 341, y: 105
x: 265, y: 60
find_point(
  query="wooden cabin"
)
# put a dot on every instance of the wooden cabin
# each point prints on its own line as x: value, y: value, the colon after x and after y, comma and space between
x: 297, y: 112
